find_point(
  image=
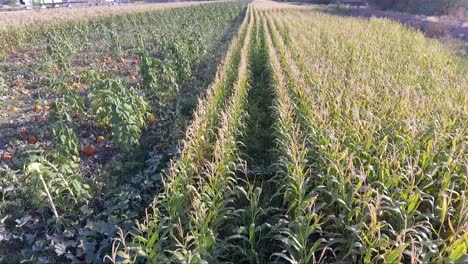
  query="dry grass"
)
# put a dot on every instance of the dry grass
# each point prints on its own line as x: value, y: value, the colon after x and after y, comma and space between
x: 437, y: 29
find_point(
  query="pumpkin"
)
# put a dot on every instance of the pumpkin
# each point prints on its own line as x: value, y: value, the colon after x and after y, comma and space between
x: 100, y: 139
x: 133, y: 78
x: 76, y: 114
x: 153, y: 120
x: 23, y: 134
x: 106, y: 59
x: 38, y: 108
x: 47, y: 107
x: 32, y: 140
x: 14, y: 109
x: 7, y: 156
x: 89, y: 150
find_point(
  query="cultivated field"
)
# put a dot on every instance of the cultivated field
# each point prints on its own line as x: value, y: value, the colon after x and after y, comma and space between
x: 92, y: 110
x: 319, y: 139
x: 366, y: 161
x: 38, y: 18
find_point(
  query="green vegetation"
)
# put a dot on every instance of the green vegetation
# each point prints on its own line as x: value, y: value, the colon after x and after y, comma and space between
x: 370, y: 158
x: 315, y: 139
x: 106, y: 115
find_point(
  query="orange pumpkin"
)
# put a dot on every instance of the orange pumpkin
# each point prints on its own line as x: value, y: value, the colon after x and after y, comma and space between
x: 153, y: 120
x: 37, y: 108
x: 76, y: 114
x: 7, y: 156
x: 14, y: 109
x: 133, y: 78
x: 47, y: 107
x: 89, y: 150
x: 32, y: 140
x: 100, y: 139
x: 106, y: 59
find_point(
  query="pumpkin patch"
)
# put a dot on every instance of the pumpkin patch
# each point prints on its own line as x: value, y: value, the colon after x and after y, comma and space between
x: 96, y: 102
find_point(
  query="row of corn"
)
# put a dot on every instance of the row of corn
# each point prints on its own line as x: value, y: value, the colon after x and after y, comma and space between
x: 370, y: 140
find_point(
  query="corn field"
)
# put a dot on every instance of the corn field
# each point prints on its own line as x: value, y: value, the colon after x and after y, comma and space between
x: 318, y: 139
x: 368, y: 151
